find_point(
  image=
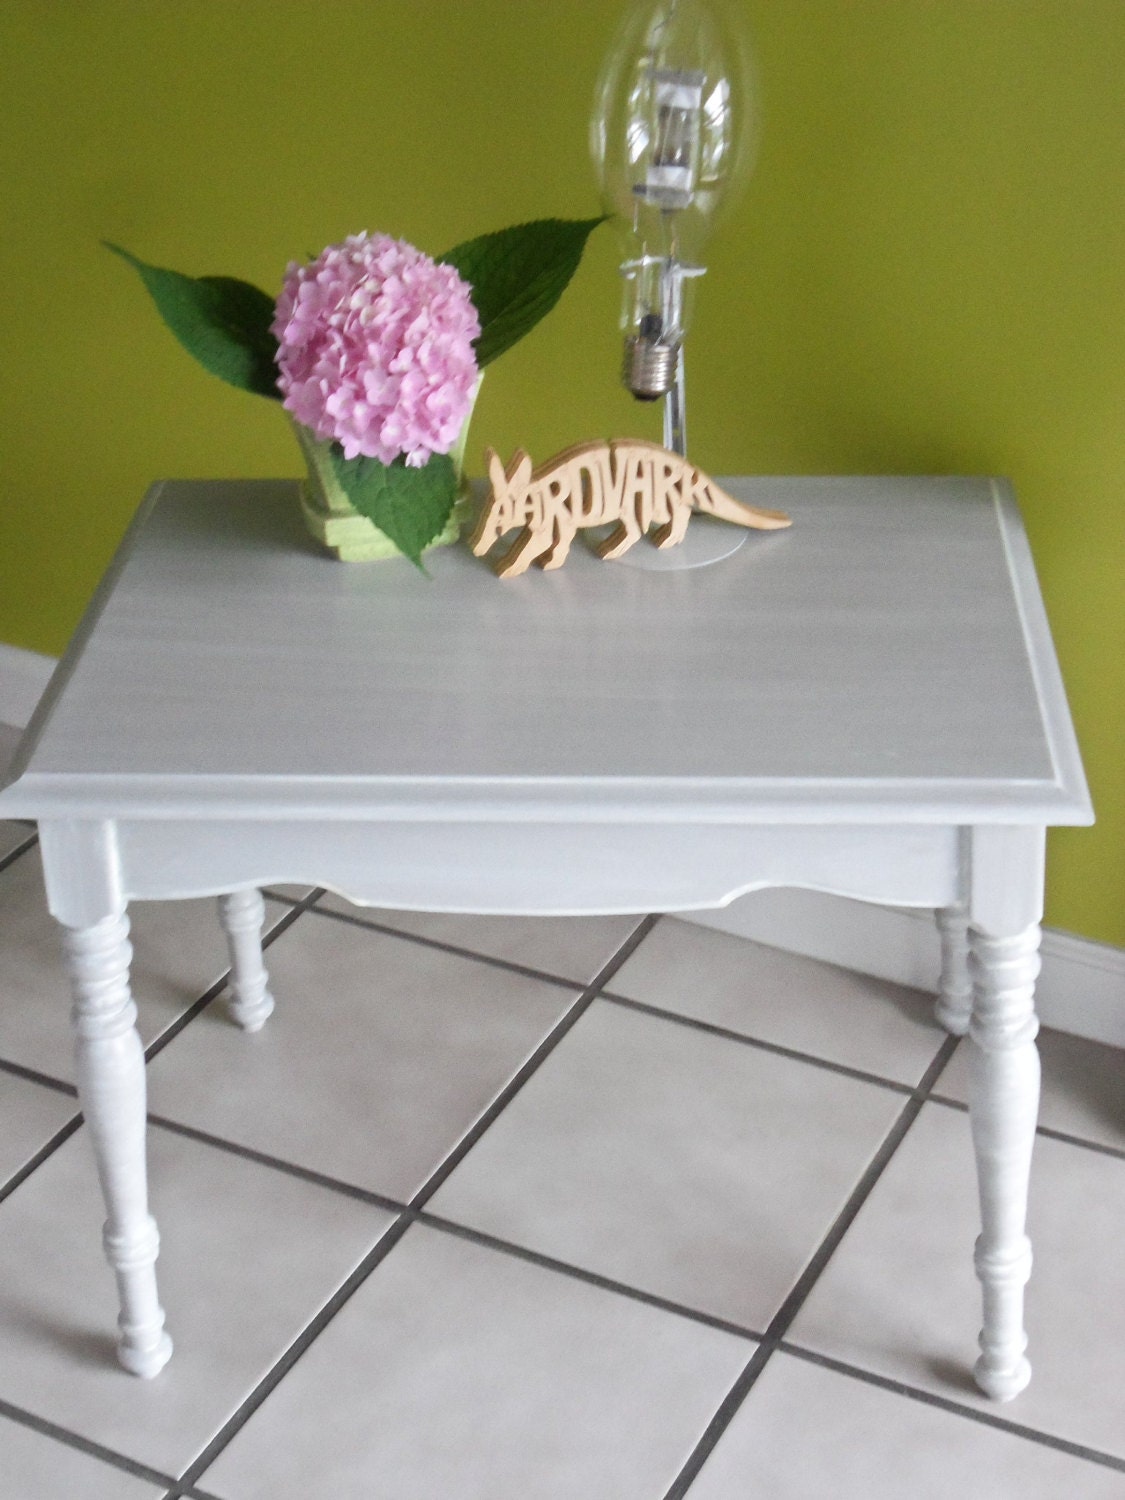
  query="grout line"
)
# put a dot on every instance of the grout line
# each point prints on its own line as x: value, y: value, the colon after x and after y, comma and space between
x: 393, y: 1205
x: 802, y: 1287
x: 580, y: 1273
x: 271, y: 893
x: 395, y: 1231
x: 451, y: 1226
x: 1052, y: 1134
x: 370, y: 925
x: 21, y: 1174
x: 189, y: 1492
x: 947, y: 1403
x: 84, y: 1445
x: 296, y: 905
x: 278, y: 1164
x: 185, y: 1017
x: 285, y: 1362
x: 694, y: 1023
x: 32, y: 1075
x: 1048, y: 1131
x: 20, y: 849
x: 566, y: 1023
x: 180, y: 1491
x: 472, y: 1134
x: 173, y: 1029
x: 408, y: 1216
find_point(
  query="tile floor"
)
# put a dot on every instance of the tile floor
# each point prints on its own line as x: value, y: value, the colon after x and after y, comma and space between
x: 540, y: 1210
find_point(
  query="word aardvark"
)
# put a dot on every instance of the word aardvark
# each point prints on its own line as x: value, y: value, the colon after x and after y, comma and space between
x: 633, y: 486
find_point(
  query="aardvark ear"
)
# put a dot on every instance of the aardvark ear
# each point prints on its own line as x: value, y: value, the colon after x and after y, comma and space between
x: 492, y: 520
x: 519, y: 468
x: 496, y: 476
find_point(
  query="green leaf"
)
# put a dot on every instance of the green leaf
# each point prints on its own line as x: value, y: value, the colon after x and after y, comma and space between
x: 517, y: 275
x: 224, y: 323
x: 410, y: 505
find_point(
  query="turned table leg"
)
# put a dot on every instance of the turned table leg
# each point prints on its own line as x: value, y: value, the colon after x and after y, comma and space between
x: 1004, y: 1088
x: 1003, y: 1106
x: 242, y: 914
x: 111, y: 1087
x: 955, y: 992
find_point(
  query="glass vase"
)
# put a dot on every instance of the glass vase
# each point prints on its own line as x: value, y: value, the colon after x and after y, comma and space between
x: 336, y: 524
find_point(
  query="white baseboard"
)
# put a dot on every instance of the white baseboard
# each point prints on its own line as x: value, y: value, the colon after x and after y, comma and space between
x: 1081, y: 987
x: 23, y: 677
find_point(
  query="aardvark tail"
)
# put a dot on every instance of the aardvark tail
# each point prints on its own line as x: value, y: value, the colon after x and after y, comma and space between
x: 711, y: 500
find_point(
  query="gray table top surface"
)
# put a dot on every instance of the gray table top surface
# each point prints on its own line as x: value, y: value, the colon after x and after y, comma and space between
x: 887, y: 658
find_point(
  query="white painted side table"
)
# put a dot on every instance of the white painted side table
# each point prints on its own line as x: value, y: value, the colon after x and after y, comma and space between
x: 868, y: 704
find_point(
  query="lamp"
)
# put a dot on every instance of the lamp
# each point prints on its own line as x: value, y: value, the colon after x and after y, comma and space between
x: 671, y: 137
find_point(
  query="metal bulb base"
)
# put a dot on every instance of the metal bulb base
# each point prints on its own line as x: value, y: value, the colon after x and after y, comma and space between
x: 649, y: 368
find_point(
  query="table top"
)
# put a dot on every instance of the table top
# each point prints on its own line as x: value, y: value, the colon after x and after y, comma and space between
x: 887, y: 659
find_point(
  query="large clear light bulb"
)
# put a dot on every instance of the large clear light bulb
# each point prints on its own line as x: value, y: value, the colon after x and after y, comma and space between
x: 671, y: 135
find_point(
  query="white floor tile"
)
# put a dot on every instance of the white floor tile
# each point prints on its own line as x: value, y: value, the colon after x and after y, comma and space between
x: 1083, y: 1086
x: 457, y: 1373
x: 248, y: 1256
x: 805, y: 1433
x: 30, y: 1114
x: 701, y: 1170
x: 783, y: 998
x: 34, y: 1467
x: 178, y: 951
x: 899, y: 1296
x: 379, y: 1056
x: 569, y: 947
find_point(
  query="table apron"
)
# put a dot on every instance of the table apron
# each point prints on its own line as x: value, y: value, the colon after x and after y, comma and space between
x: 542, y: 869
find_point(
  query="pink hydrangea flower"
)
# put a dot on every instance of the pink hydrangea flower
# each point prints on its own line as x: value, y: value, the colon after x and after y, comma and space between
x: 375, y: 349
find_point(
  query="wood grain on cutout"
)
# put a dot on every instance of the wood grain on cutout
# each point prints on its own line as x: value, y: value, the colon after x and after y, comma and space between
x: 633, y: 486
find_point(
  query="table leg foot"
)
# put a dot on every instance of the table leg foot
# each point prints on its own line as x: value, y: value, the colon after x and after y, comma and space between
x: 111, y: 1088
x: 145, y: 1363
x: 242, y: 914
x: 143, y: 1348
x: 1002, y: 1384
x: 1003, y: 1106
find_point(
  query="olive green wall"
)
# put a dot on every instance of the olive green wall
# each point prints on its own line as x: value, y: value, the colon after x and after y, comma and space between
x: 927, y: 273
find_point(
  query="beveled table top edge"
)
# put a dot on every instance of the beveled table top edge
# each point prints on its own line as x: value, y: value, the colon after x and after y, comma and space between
x: 579, y: 799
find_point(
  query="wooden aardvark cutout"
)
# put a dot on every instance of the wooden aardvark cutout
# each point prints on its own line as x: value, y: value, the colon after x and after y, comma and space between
x: 636, y: 484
